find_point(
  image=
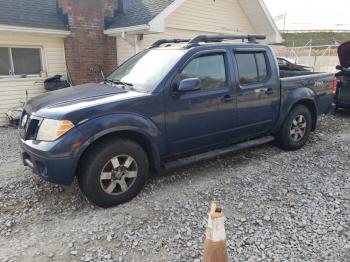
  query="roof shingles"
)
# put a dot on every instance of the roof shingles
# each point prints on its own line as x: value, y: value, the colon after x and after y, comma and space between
x: 44, y: 13
x: 139, y: 12
x: 31, y: 13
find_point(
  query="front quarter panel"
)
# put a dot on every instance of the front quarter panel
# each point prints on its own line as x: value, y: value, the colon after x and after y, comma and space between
x: 96, y: 128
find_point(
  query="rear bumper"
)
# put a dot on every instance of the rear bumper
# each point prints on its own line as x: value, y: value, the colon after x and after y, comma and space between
x: 57, y: 170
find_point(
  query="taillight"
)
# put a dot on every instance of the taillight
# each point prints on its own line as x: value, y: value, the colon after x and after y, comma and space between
x: 334, y: 87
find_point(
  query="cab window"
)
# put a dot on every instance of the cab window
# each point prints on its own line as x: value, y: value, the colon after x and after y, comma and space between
x: 252, y: 67
x: 209, y: 68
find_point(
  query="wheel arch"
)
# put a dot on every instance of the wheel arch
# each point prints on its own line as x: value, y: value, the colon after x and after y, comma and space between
x: 135, y: 136
x: 310, y: 104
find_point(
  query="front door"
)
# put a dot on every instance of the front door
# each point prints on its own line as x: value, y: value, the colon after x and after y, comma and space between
x: 258, y: 92
x: 205, y: 117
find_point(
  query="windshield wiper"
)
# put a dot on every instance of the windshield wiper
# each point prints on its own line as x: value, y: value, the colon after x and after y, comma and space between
x: 118, y: 82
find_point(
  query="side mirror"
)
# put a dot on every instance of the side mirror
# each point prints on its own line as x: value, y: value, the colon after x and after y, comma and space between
x: 190, y: 84
x: 339, y: 67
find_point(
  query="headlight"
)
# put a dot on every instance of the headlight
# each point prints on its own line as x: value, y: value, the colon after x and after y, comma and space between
x: 51, y: 129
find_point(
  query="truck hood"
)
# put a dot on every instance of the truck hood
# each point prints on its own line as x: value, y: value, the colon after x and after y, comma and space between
x: 66, y: 102
x: 344, y: 54
x: 73, y: 94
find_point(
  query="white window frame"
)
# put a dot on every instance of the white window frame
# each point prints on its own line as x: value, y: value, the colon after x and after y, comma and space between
x: 10, y: 47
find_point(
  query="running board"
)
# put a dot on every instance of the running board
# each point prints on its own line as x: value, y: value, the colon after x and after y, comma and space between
x: 217, y: 152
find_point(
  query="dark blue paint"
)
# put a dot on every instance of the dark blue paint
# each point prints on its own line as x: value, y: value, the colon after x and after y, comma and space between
x: 174, y: 124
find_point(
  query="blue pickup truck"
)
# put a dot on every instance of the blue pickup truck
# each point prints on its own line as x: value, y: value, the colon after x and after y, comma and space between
x: 178, y: 102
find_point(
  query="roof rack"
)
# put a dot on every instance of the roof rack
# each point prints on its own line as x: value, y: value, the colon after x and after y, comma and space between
x: 208, y: 39
x: 220, y: 38
x: 168, y: 41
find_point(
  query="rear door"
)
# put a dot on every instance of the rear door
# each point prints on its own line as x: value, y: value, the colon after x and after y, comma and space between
x: 258, y: 91
x: 199, y: 119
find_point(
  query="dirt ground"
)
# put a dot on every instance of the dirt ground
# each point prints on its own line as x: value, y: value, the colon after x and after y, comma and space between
x: 280, y: 206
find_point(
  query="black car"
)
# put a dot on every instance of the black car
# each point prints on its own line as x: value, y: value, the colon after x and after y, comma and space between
x: 287, y: 64
x: 342, y: 92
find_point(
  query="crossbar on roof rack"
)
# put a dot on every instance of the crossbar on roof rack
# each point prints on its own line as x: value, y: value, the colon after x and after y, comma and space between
x: 220, y: 38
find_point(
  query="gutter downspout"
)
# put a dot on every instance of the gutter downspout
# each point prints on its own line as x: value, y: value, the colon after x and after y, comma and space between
x: 135, y: 43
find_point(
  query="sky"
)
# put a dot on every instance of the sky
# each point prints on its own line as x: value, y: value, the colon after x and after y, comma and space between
x: 311, y: 14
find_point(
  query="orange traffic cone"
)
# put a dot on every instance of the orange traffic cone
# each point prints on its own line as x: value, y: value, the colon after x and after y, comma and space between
x: 215, y: 249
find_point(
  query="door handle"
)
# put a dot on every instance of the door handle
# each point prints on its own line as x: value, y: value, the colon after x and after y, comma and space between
x: 267, y: 91
x: 227, y: 98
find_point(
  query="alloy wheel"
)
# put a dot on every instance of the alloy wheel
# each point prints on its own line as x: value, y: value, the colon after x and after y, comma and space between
x: 298, y: 128
x: 118, y: 175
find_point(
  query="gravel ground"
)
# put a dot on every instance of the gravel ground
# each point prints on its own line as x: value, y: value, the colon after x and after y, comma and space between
x: 280, y: 206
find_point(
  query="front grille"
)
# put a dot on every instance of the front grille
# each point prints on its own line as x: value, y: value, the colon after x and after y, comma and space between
x: 29, y: 126
x: 32, y: 129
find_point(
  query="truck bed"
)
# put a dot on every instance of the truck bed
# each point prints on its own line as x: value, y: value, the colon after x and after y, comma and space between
x: 289, y: 73
x: 320, y: 83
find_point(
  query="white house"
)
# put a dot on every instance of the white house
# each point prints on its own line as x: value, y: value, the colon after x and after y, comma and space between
x: 136, y: 29
x: 40, y: 38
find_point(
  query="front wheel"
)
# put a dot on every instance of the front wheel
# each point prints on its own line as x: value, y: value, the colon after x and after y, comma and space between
x: 113, y: 172
x: 296, y: 129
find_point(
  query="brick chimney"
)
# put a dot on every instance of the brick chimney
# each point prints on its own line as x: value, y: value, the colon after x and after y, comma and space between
x: 88, y: 47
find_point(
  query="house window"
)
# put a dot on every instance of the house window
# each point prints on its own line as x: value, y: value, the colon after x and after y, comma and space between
x: 20, y: 61
x: 5, y: 65
x: 252, y: 67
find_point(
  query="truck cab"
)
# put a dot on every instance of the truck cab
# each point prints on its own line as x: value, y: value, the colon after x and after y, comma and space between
x: 166, y: 107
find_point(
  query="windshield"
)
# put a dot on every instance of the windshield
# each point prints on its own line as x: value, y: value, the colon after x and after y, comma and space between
x: 146, y: 69
x: 289, y: 60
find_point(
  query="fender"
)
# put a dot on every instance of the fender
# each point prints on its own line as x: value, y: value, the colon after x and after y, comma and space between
x: 96, y: 128
x: 290, y: 98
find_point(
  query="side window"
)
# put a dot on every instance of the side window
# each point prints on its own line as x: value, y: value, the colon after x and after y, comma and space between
x: 281, y: 61
x: 247, y: 70
x: 252, y: 67
x: 262, y: 67
x: 210, y: 69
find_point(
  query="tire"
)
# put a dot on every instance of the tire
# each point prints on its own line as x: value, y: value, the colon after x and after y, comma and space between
x: 294, y: 135
x: 113, y: 172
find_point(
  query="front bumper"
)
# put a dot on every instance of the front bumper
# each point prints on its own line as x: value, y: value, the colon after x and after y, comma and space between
x: 55, y: 169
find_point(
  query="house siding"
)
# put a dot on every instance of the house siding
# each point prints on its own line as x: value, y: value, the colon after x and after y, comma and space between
x: 186, y: 23
x: 260, y: 21
x: 13, y: 90
x: 224, y: 16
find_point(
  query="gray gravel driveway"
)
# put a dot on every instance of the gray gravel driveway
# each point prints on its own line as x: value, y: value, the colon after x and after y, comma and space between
x: 280, y: 206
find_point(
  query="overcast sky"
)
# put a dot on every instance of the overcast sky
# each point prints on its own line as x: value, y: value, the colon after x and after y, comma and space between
x: 311, y: 14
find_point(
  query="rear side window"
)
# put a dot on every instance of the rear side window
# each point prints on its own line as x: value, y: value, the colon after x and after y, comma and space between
x: 252, y: 67
x: 210, y: 69
x: 262, y: 67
